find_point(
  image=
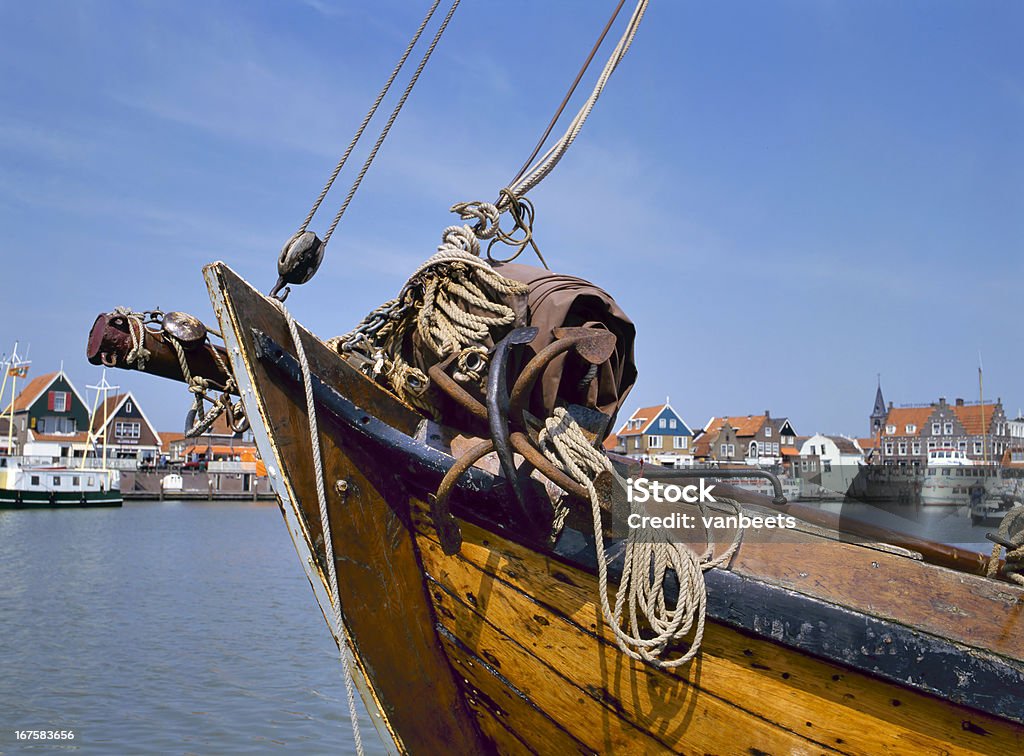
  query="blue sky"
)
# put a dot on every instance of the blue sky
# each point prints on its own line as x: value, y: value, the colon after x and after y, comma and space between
x: 786, y: 197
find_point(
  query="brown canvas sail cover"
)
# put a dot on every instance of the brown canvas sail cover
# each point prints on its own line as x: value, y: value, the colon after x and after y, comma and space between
x: 555, y: 300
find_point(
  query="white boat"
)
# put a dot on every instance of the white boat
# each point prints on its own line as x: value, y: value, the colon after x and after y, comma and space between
x: 33, y: 486
x: 952, y: 479
x: 37, y: 483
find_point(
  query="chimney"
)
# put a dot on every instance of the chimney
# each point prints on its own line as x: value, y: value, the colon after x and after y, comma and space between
x: 890, y: 405
x: 942, y: 401
x: 766, y: 413
x: 959, y: 402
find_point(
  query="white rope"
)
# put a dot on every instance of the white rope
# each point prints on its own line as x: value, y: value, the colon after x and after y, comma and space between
x: 648, y: 557
x: 325, y: 526
x: 543, y: 166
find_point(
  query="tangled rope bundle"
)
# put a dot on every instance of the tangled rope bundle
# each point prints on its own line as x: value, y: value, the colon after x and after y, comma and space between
x: 648, y: 557
x: 453, y: 302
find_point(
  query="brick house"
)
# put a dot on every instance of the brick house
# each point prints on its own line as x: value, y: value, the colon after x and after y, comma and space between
x: 982, y: 431
x: 655, y: 434
x: 749, y: 439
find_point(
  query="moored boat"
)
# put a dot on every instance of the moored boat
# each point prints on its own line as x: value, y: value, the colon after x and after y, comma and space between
x: 44, y: 486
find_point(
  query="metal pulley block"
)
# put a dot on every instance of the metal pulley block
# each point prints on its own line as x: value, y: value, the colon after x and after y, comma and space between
x: 299, y: 260
x: 187, y: 330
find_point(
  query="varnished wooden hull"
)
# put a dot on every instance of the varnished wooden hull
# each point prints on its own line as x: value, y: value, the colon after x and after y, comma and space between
x: 812, y: 645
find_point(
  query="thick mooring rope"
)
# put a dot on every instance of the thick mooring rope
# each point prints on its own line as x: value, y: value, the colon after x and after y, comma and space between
x: 325, y: 526
x: 648, y: 557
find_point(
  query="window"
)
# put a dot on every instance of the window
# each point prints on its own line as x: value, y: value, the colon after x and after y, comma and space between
x: 672, y: 423
x: 936, y: 429
x: 56, y: 480
x: 35, y: 480
x: 961, y: 445
x: 768, y: 431
x: 915, y: 448
x: 679, y: 442
x: 827, y: 466
x: 890, y: 429
x: 947, y: 429
x: 662, y: 423
x: 128, y: 408
x: 59, y: 401
x: 724, y: 448
x: 755, y: 449
x: 903, y: 447
x: 775, y: 448
x: 124, y: 429
x: 977, y: 447
x: 889, y: 447
x: 654, y: 442
x: 931, y: 445
x: 76, y: 481
x: 911, y: 428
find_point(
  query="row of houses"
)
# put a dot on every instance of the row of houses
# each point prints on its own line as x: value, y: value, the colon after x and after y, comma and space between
x: 51, y: 419
x: 899, y: 436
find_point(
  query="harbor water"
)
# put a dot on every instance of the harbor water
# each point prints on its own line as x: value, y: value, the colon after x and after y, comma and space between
x: 165, y: 628
x: 190, y: 628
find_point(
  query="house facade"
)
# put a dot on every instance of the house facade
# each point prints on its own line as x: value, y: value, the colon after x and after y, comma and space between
x: 49, y: 417
x: 656, y: 434
x: 982, y: 431
x: 123, y: 429
x: 760, y: 440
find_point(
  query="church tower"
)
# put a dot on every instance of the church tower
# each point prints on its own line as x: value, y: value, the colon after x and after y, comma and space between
x: 879, y: 413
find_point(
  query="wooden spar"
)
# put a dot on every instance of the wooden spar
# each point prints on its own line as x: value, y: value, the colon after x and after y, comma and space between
x: 110, y: 342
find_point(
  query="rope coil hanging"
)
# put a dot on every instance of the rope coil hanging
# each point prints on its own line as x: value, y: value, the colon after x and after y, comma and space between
x: 648, y: 557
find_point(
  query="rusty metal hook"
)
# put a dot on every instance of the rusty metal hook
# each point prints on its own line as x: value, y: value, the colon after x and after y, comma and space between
x: 498, y: 405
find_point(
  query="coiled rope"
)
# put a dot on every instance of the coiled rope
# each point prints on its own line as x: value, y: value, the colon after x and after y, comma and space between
x: 1011, y: 530
x: 453, y: 302
x: 648, y: 557
x: 325, y: 526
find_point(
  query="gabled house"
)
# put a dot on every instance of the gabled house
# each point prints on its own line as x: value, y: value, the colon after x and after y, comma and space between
x: 48, y: 407
x: 656, y: 434
x: 748, y: 439
x: 909, y: 433
x: 128, y: 432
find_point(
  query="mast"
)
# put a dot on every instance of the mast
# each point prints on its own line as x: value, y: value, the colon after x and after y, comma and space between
x: 981, y: 405
x: 16, y: 368
x: 102, y: 387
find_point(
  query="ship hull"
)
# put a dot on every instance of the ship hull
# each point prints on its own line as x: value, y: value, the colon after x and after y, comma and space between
x: 813, y: 643
x: 11, y: 499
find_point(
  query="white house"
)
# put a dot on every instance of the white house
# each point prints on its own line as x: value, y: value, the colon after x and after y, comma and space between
x: 839, y: 459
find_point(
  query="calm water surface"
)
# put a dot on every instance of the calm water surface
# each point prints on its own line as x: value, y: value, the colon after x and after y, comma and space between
x: 169, y: 628
x: 190, y: 628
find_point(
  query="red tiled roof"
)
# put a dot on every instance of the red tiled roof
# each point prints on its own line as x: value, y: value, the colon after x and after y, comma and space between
x: 867, y: 443
x: 610, y: 443
x: 646, y: 414
x: 76, y: 438
x: 744, y: 425
x: 32, y: 391
x: 901, y: 417
x: 167, y: 438
x: 976, y: 418
x: 789, y: 451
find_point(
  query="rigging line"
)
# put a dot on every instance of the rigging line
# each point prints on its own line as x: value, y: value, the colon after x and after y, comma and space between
x: 390, y: 122
x: 568, y: 95
x: 547, y: 162
x: 369, y: 116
